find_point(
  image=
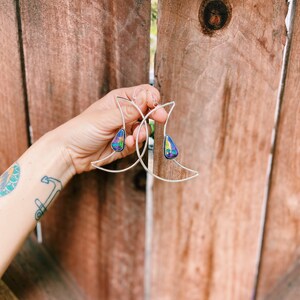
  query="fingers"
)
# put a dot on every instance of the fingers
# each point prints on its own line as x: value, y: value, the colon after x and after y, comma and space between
x: 145, y: 92
x: 127, y: 151
x: 131, y: 139
x: 118, y: 155
x: 160, y: 115
x: 149, y: 95
x: 145, y: 96
x: 142, y: 134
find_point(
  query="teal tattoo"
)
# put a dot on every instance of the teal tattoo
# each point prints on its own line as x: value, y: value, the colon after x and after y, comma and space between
x: 9, y: 179
x: 56, y: 188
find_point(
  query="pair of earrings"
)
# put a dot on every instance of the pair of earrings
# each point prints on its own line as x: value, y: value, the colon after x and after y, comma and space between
x: 170, y: 149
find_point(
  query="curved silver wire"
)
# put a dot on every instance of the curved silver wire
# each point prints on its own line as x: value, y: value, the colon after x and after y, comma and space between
x: 169, y: 114
x: 94, y: 163
x: 165, y: 129
x: 121, y: 111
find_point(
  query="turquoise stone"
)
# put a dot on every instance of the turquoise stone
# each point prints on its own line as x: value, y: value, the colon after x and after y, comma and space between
x: 170, y: 149
x: 118, y: 143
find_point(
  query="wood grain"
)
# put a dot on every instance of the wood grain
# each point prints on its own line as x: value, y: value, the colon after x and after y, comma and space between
x: 206, y: 231
x: 287, y: 288
x: 281, y: 250
x: 13, y: 130
x: 76, y: 51
x: 34, y: 274
x: 5, y: 292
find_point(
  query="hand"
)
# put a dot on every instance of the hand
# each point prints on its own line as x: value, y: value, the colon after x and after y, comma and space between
x: 87, y: 137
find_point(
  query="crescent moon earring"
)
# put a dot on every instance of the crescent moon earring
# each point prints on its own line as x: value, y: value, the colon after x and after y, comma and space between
x: 170, y: 149
x: 118, y: 142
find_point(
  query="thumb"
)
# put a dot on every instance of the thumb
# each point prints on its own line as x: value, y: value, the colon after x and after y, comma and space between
x: 113, y: 117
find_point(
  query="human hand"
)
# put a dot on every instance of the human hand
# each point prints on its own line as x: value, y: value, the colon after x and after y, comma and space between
x: 88, y: 136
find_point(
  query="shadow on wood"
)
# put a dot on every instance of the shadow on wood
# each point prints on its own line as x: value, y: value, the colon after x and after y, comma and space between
x: 34, y: 274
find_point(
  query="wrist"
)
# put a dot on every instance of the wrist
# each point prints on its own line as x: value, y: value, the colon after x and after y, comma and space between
x: 50, y: 154
x: 55, y: 140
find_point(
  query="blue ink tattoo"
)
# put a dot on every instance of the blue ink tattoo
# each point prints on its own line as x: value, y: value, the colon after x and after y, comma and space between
x: 42, y: 207
x: 9, y: 179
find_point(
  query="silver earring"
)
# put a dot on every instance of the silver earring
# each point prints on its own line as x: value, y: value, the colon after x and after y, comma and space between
x: 170, y: 149
x: 118, y: 142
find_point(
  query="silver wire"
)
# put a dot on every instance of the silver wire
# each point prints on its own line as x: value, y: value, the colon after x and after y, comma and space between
x: 166, y: 123
x: 121, y: 111
x: 93, y: 163
x: 175, y: 161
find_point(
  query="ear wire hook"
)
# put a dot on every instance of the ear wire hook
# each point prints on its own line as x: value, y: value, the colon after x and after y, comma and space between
x: 140, y: 157
x: 94, y: 163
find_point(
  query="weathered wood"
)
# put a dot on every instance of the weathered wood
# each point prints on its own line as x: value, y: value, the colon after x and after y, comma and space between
x: 34, y: 274
x: 281, y: 248
x: 12, y: 113
x: 75, y: 51
x: 287, y: 288
x: 206, y: 231
x: 5, y: 292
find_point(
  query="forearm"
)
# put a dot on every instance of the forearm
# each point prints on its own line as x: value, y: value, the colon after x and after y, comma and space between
x: 27, y: 190
x: 29, y: 187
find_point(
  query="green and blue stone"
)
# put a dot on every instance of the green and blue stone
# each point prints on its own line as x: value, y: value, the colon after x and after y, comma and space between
x: 170, y: 148
x: 118, y: 143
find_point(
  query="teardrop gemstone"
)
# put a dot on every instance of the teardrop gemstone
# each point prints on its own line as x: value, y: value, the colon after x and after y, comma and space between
x: 118, y: 143
x: 170, y: 149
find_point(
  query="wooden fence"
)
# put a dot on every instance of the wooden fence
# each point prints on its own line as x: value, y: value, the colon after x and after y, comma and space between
x: 232, y: 233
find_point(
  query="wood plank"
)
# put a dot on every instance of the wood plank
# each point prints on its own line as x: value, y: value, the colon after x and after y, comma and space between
x: 287, y: 288
x: 12, y: 114
x: 34, y: 274
x: 75, y: 51
x: 5, y: 292
x: 225, y: 84
x: 280, y: 255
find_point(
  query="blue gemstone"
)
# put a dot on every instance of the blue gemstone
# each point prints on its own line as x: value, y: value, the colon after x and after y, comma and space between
x: 170, y: 149
x: 118, y: 143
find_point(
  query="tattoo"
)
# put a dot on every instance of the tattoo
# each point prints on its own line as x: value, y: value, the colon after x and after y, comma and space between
x: 9, y: 179
x: 42, y: 207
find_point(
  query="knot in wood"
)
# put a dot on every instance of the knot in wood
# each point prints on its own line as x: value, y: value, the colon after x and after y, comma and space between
x: 214, y: 15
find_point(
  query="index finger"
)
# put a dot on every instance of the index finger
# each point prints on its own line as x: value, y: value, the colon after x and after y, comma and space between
x: 143, y: 91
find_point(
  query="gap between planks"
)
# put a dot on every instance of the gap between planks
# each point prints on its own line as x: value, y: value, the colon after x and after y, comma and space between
x: 25, y: 92
x: 149, y: 193
x: 286, y: 54
x: 23, y: 71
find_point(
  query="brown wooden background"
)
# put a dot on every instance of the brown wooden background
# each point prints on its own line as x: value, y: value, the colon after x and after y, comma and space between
x: 236, y: 121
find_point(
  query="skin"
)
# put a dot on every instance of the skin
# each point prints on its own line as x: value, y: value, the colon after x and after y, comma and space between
x: 48, y: 165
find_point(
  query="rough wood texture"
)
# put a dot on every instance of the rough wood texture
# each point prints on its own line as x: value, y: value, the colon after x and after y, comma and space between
x: 34, y: 274
x: 206, y: 231
x: 6, y: 293
x: 281, y: 249
x: 75, y: 51
x: 12, y: 113
x: 287, y: 288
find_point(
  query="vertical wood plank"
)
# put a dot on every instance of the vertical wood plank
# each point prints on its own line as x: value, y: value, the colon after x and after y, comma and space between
x: 13, y: 130
x: 34, y: 274
x: 206, y: 231
x: 5, y: 292
x: 75, y: 51
x: 281, y: 248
